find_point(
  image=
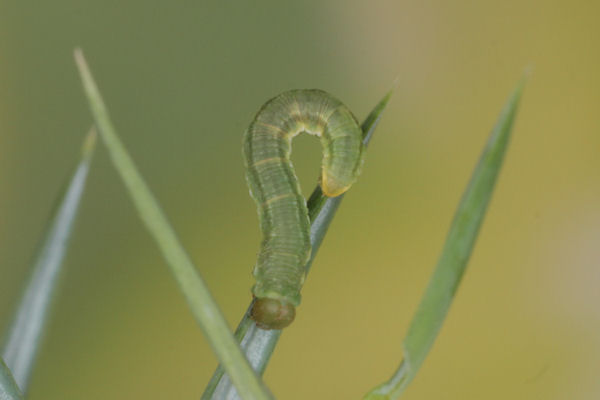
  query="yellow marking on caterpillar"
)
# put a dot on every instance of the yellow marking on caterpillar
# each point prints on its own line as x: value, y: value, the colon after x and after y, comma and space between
x: 274, y: 199
x: 269, y: 160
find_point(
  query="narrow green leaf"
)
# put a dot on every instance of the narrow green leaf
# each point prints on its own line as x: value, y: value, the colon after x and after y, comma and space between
x: 259, y: 344
x: 199, y: 299
x: 439, y: 294
x: 27, y: 328
x: 8, y: 387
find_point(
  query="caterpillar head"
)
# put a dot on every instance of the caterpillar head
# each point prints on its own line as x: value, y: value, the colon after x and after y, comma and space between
x: 272, y: 313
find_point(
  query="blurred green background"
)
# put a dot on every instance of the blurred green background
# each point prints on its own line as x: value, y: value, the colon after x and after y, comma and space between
x: 184, y: 79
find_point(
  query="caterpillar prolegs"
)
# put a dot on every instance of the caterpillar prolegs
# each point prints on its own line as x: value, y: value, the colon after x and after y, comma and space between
x: 284, y: 222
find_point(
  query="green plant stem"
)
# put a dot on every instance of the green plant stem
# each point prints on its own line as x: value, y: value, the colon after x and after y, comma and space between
x: 451, y: 266
x: 9, y: 390
x: 202, y: 304
x: 259, y: 344
x: 25, y: 332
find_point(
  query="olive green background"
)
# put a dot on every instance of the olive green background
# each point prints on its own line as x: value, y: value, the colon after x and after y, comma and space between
x: 183, y: 80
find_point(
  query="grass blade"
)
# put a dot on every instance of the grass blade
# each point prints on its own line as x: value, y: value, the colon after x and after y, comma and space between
x: 259, y: 344
x: 30, y: 318
x: 8, y: 387
x: 199, y: 299
x: 439, y: 294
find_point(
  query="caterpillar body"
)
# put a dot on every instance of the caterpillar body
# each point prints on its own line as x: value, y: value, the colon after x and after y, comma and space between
x: 284, y: 222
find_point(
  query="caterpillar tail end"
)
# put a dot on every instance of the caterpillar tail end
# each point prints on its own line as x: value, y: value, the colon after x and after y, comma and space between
x: 272, y: 313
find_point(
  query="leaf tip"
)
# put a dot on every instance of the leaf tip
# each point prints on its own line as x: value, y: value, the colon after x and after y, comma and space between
x: 388, y: 95
x: 78, y: 55
x: 82, y: 66
x: 525, y: 76
x: 395, y: 84
x: 528, y: 71
x: 89, y: 143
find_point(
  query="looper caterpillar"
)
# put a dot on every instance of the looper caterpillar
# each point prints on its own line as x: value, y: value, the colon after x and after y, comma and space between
x: 285, y: 249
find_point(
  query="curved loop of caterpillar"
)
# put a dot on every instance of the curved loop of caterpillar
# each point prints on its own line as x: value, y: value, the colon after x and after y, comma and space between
x: 284, y: 222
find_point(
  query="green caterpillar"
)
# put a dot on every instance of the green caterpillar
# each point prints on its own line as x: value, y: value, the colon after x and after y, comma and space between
x: 285, y: 249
